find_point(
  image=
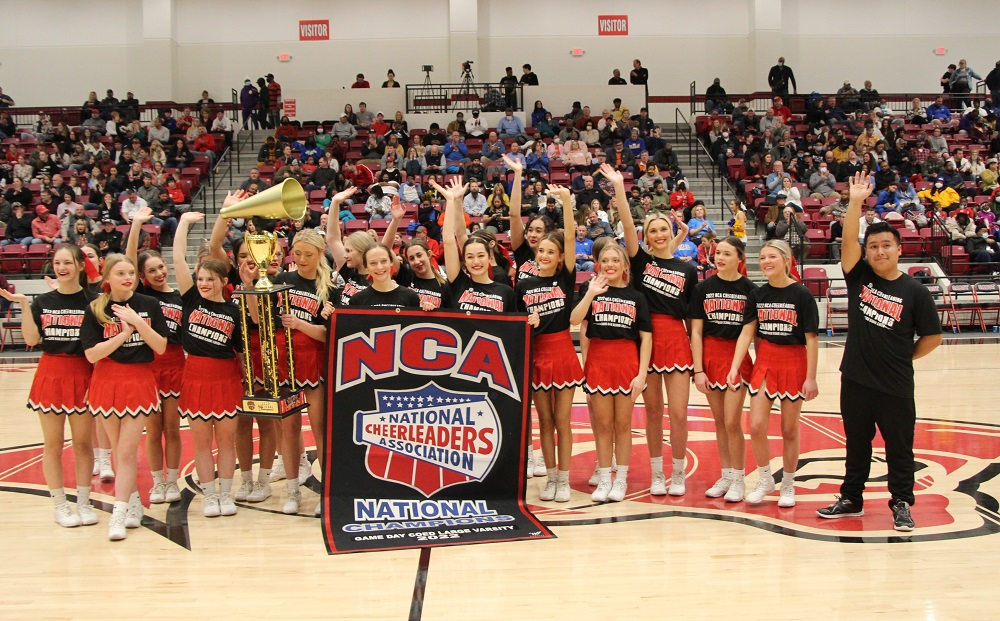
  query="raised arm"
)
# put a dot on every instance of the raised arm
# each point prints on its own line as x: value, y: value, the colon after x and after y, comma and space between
x: 569, y: 222
x: 334, y: 241
x: 141, y: 217
x: 222, y: 226
x: 397, y: 211
x: 516, y: 223
x: 598, y: 285
x: 453, y: 203
x: 850, y: 248
x: 621, y: 204
x: 181, y: 270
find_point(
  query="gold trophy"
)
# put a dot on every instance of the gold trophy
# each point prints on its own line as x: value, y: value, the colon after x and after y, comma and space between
x: 285, y: 200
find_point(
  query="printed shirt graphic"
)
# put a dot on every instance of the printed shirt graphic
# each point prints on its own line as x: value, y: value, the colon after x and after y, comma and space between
x: 353, y: 283
x: 525, y: 260
x: 431, y: 291
x: 172, y: 307
x: 618, y: 313
x: 210, y: 329
x: 302, y: 298
x: 468, y: 295
x: 59, y: 318
x: 784, y: 315
x: 885, y: 316
x: 135, y: 349
x: 721, y: 304
x: 667, y: 283
x: 551, y: 297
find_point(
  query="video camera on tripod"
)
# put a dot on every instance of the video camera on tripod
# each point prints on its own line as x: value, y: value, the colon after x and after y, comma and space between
x: 467, y: 69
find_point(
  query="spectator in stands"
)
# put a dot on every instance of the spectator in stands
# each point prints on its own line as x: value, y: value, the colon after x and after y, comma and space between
x: 537, y: 159
x: 866, y: 220
x: 960, y: 226
x: 938, y: 110
x: 538, y: 113
x: 889, y: 200
x: 379, y: 205
x: 5, y: 101
x: 474, y: 203
x: 647, y: 181
x: 344, y: 129
x: 699, y: 224
x: 132, y: 204
x: 19, y: 225
x: 148, y: 192
x: 620, y: 158
x: 940, y: 195
x: 596, y: 228
x: 725, y: 146
x: 988, y: 179
x: 867, y: 140
x: 848, y: 96
x: 510, y: 126
x: 364, y: 117
x: 952, y: 178
x: 493, y: 149
x: 321, y: 178
x: 774, y: 180
x: 95, y: 123
x: 17, y: 193
x: 528, y: 76
x: 635, y: 143
x: 477, y: 126
x: 639, y: 74
x: 584, y: 248
x: 961, y: 82
x: 204, y: 144
x: 254, y: 177
x: 715, y: 98
x: 681, y: 198
x: 108, y: 239
x: 768, y: 122
x: 985, y: 217
x: 932, y: 164
x: 869, y: 97
x: 575, y: 154
x: 937, y: 142
x: 981, y: 247
x: 273, y: 101
x: 360, y: 82
x: 434, y: 162
x: 615, y: 80
x: 779, y: 77
x: 852, y: 166
x: 46, y: 228
x: 833, y: 112
x: 456, y: 151
x: 180, y: 155
x: 79, y: 233
x: 780, y: 110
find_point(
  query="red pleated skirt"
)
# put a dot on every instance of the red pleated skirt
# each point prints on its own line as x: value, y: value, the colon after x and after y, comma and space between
x: 717, y: 356
x: 671, y: 346
x: 611, y: 366
x: 780, y: 369
x: 212, y: 388
x: 310, y: 362
x: 60, y: 384
x: 121, y: 390
x: 169, y: 370
x: 556, y: 365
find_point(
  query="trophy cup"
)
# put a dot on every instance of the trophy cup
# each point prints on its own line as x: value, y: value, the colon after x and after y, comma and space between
x: 285, y: 200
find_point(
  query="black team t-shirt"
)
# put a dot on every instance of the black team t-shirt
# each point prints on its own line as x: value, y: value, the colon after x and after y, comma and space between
x: 210, y: 329
x: 883, y: 317
x: 668, y: 284
x: 59, y: 317
x: 172, y: 307
x: 353, y: 283
x: 134, y: 350
x: 492, y: 297
x: 524, y: 258
x: 721, y: 304
x: 399, y: 297
x: 784, y: 315
x: 551, y: 297
x: 302, y: 298
x: 618, y: 313
x: 429, y: 289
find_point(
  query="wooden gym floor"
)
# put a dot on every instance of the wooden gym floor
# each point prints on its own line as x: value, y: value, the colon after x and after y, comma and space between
x: 645, y: 558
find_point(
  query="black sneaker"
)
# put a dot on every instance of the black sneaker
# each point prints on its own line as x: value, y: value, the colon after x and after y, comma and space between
x: 842, y: 508
x: 901, y: 519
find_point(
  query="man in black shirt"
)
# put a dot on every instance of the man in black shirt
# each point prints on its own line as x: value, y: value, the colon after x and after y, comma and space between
x: 639, y: 74
x: 17, y: 193
x: 508, y: 85
x: 778, y: 79
x: 617, y: 79
x: 108, y: 239
x: 529, y: 76
x: 886, y: 309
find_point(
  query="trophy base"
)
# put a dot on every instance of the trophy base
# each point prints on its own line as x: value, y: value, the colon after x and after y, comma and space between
x: 262, y: 405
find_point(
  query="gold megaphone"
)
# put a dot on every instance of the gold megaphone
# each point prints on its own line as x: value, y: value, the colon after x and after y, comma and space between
x: 285, y: 200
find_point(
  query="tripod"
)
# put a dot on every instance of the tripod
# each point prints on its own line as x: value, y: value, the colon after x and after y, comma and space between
x: 467, y: 91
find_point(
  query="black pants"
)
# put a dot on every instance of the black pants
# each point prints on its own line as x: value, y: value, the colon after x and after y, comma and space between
x: 863, y: 409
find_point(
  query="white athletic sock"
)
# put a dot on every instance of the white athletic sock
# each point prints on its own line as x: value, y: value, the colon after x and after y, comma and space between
x: 58, y: 496
x: 82, y: 495
x: 208, y: 487
x: 225, y: 485
x: 622, y: 473
x: 604, y: 474
x: 133, y: 497
x: 764, y: 471
x: 97, y: 453
x: 727, y: 473
x: 104, y: 453
x: 292, y: 485
x: 788, y: 477
x: 678, y: 464
x: 563, y: 476
x: 264, y: 475
x: 551, y: 473
x: 656, y: 464
x: 157, y: 476
x: 738, y: 474
x: 246, y: 476
x: 172, y: 475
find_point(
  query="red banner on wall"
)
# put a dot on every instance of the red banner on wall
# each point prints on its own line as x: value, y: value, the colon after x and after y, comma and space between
x: 314, y: 30
x: 289, y: 108
x: 612, y: 25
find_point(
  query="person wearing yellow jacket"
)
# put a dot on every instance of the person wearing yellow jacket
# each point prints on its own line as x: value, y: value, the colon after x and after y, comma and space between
x: 940, y: 195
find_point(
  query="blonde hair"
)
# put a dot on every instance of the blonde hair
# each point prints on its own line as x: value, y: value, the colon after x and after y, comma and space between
x: 100, y: 306
x: 616, y: 248
x: 324, y: 275
x: 657, y: 215
x: 360, y: 241
x: 784, y: 249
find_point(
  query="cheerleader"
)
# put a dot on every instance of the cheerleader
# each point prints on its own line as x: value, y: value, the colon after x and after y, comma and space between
x: 556, y: 370
x: 524, y: 243
x: 59, y: 388
x: 121, y: 332
x: 211, y: 389
x: 312, y: 288
x: 421, y: 274
x: 93, y: 263
x: 243, y: 268
x: 782, y: 315
x: 163, y: 427
x: 472, y: 289
x: 717, y: 309
x: 615, y: 318
x: 668, y: 284
x: 347, y: 252
x: 384, y: 292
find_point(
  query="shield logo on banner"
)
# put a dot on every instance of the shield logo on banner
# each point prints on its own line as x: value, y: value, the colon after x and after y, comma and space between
x: 429, y: 438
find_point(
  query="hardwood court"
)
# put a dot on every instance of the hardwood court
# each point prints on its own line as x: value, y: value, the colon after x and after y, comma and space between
x: 645, y: 558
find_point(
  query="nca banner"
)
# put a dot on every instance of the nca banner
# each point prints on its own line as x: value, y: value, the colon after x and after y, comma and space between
x: 428, y: 427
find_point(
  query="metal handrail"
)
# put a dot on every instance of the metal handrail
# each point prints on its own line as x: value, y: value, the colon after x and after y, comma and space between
x: 688, y: 131
x: 487, y: 96
x: 760, y: 101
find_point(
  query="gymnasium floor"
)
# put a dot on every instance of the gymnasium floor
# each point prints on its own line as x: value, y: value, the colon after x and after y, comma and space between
x: 645, y: 558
